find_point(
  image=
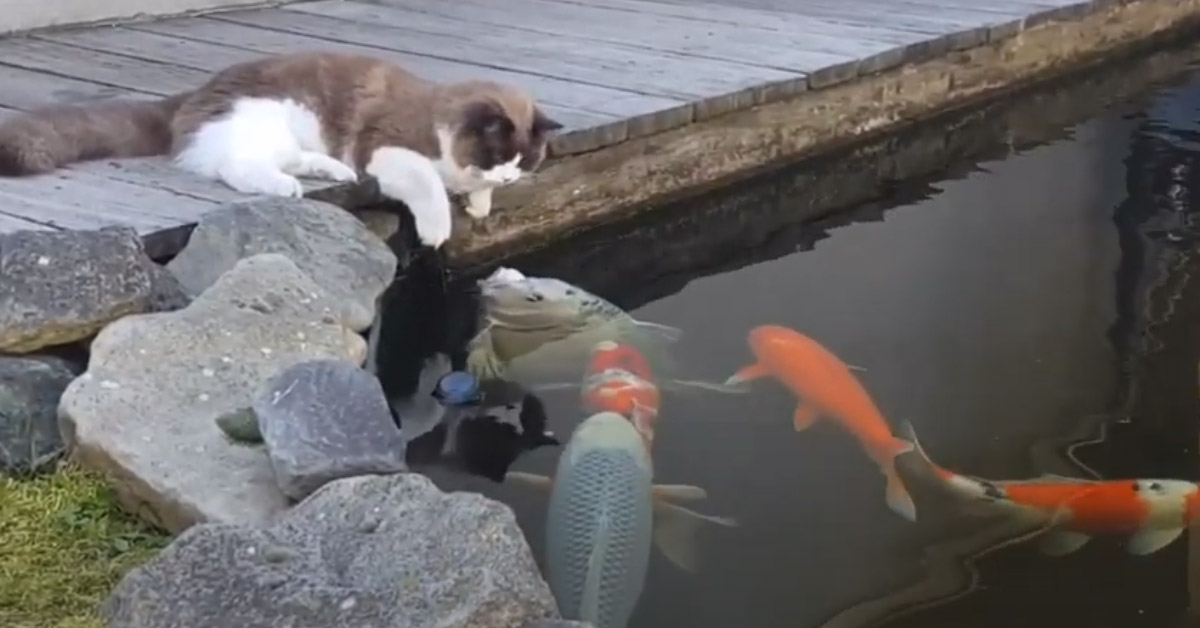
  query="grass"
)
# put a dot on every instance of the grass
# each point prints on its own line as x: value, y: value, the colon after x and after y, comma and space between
x: 63, y: 545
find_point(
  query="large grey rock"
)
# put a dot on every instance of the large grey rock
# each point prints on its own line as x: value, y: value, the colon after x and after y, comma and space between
x: 558, y: 623
x: 57, y: 287
x: 323, y: 420
x: 30, y: 388
x: 145, y: 411
x: 366, y: 552
x: 327, y: 242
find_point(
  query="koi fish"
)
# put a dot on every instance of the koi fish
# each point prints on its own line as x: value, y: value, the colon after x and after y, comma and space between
x: 619, y: 379
x: 1152, y: 513
x: 826, y: 388
x: 603, y: 517
x: 532, y: 320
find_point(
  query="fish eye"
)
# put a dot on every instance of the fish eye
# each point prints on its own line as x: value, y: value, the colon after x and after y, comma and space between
x: 1155, y: 486
x: 570, y: 292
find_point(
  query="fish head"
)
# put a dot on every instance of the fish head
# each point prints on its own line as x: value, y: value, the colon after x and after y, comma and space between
x: 610, y: 355
x: 1167, y: 494
x: 620, y: 391
x: 768, y: 340
x: 517, y: 300
x: 608, y: 430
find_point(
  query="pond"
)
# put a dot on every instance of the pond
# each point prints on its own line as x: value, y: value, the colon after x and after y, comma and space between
x: 1017, y: 281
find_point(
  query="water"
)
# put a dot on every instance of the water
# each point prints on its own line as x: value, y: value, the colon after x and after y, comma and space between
x: 1018, y: 282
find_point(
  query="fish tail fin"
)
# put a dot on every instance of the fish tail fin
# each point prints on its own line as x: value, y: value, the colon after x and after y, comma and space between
x: 910, y: 435
x: 898, y: 498
x: 676, y: 529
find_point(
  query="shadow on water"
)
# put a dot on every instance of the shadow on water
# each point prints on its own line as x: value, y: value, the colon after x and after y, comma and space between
x: 1016, y: 280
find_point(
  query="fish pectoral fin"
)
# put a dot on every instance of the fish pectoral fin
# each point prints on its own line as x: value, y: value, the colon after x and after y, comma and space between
x: 733, y: 389
x: 804, y: 416
x: 676, y: 529
x: 852, y: 367
x: 1152, y: 540
x: 747, y: 373
x: 666, y: 332
x: 678, y: 492
x: 1061, y: 542
x: 530, y: 479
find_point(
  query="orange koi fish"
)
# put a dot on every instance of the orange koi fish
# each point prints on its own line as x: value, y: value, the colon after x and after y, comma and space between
x: 619, y: 380
x: 1152, y: 513
x: 826, y: 388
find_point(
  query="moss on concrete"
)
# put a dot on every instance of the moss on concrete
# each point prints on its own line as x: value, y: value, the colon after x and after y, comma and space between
x: 63, y: 545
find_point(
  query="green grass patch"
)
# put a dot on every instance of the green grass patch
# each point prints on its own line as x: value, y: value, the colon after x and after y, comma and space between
x: 64, y: 544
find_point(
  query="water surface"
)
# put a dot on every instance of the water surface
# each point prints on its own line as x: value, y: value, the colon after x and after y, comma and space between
x: 1031, y: 312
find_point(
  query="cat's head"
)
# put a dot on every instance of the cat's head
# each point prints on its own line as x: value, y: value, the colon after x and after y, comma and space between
x: 500, y: 133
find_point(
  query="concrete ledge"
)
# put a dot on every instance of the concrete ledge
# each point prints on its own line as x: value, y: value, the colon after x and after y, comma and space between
x: 574, y: 193
x: 767, y: 217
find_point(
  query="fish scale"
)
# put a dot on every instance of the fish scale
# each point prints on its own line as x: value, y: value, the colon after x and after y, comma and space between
x: 599, y: 515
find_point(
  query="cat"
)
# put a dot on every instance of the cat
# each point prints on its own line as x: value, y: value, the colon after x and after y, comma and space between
x: 259, y: 125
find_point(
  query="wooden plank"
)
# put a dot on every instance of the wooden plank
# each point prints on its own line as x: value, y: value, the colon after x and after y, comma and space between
x: 210, y: 58
x: 594, y: 117
x: 110, y: 201
x: 99, y: 67
x: 721, y: 86
x: 607, y: 103
x: 877, y: 47
x: 26, y: 89
x: 965, y: 29
x: 69, y: 210
x: 11, y: 223
x: 805, y: 52
x: 158, y: 172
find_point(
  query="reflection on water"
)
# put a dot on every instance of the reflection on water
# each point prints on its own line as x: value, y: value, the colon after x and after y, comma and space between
x: 1029, y: 314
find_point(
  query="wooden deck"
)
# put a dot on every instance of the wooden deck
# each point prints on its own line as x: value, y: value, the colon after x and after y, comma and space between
x: 611, y: 70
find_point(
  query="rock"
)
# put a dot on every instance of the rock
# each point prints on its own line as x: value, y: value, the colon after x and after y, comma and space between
x: 144, y: 412
x: 324, y: 420
x: 328, y: 243
x: 366, y: 552
x: 558, y: 623
x: 383, y: 224
x: 30, y: 387
x: 166, y: 293
x: 241, y: 425
x: 61, y: 286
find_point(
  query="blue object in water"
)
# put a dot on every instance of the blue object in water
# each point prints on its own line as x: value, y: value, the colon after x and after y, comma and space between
x: 457, y: 388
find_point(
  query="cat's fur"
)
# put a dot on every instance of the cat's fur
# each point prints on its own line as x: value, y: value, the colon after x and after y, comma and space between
x: 260, y: 124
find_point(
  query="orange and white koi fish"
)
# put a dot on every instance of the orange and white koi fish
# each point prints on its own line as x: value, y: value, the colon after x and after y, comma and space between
x: 619, y: 379
x: 1152, y: 513
x: 826, y: 388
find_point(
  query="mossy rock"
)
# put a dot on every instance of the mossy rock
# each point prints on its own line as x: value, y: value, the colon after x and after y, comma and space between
x: 64, y: 544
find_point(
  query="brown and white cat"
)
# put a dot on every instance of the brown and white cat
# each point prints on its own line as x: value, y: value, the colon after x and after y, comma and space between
x: 258, y: 125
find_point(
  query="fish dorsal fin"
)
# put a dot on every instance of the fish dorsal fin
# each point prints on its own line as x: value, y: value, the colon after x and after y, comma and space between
x: 1054, y: 477
x: 1061, y: 542
x: 1151, y: 540
x: 589, y: 603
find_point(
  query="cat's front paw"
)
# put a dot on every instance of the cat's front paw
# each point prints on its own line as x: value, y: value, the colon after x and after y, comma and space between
x: 479, y: 203
x: 433, y: 227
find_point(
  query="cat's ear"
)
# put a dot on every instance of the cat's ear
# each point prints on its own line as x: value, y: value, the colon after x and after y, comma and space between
x: 543, y: 124
x: 487, y: 118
